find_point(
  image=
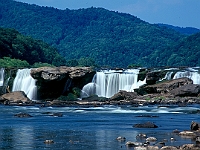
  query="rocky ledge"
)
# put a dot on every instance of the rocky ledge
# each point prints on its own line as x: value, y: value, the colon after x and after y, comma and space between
x: 55, y: 81
x: 179, y: 92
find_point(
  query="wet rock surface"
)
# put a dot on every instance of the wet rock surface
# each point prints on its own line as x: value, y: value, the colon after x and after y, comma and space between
x: 145, y: 125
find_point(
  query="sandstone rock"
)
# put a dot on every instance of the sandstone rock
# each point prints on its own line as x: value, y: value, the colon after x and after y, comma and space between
x: 55, y: 81
x: 15, y: 97
x: 186, y: 90
x: 152, y: 148
x: 58, y: 73
x: 169, y: 148
x: 123, y: 95
x: 187, y: 134
x: 151, y: 139
x: 189, y: 147
x: 140, y: 148
x: 167, y: 86
x: 145, y: 125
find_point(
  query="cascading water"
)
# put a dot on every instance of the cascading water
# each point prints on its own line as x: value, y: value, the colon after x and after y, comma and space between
x: 24, y: 82
x: 194, y: 76
x: 191, y: 73
x: 108, y: 82
x: 1, y: 76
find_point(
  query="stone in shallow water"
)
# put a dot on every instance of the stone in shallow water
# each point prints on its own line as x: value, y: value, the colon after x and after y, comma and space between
x: 151, y: 139
x: 23, y: 115
x: 48, y: 141
x: 169, y: 148
x: 145, y: 125
x: 121, y: 138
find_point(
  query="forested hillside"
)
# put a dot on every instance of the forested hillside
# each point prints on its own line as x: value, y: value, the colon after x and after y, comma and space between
x: 16, y: 46
x: 182, y: 30
x: 109, y: 38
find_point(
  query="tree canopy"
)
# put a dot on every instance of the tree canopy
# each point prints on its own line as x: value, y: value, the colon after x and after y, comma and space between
x: 95, y: 36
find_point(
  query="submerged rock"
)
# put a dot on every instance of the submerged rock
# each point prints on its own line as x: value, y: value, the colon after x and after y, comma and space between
x: 133, y: 144
x: 48, y: 141
x: 121, y: 138
x: 145, y: 125
x: 23, y: 115
x: 194, y: 126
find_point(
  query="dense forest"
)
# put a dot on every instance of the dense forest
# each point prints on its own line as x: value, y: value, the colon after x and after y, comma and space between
x: 15, y: 47
x: 102, y: 37
x: 182, y: 30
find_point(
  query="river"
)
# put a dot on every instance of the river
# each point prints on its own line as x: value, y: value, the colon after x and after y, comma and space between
x: 91, y: 128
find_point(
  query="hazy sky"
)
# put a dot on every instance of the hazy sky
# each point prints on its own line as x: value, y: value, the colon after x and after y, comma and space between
x: 183, y: 13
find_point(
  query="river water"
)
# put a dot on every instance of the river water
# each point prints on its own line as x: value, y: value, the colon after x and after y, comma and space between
x: 91, y: 128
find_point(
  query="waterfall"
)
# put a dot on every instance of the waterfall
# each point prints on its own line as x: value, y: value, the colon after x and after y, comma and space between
x: 24, y: 82
x: 108, y: 82
x: 168, y: 76
x: 194, y: 76
x: 1, y: 76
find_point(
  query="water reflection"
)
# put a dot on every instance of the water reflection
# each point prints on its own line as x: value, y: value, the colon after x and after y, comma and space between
x: 17, y: 138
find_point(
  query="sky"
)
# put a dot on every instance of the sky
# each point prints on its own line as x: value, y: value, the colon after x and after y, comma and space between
x: 182, y: 13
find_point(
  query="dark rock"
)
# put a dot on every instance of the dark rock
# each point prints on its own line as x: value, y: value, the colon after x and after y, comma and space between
x: 186, y: 90
x: 55, y: 81
x: 176, y: 131
x: 57, y: 114
x: 152, y: 77
x: 194, y: 126
x: 121, y: 138
x: 145, y: 125
x: 22, y: 115
x: 94, y: 98
x: 123, y: 95
x: 148, y: 116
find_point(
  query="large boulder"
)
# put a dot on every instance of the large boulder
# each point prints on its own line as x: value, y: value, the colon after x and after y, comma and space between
x: 17, y: 97
x: 166, y: 86
x: 194, y: 126
x: 186, y: 90
x: 123, y: 95
x: 152, y: 77
x: 55, y: 81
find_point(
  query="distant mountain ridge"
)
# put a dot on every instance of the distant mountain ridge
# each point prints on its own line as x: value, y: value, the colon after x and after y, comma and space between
x: 182, y: 30
x: 109, y: 38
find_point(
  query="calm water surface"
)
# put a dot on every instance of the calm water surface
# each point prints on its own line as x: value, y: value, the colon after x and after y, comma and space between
x: 94, y: 128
